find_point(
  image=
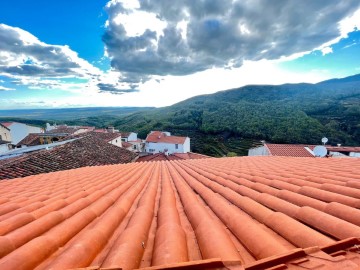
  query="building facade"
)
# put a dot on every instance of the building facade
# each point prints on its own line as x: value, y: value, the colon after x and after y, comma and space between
x: 163, y: 142
x: 19, y: 131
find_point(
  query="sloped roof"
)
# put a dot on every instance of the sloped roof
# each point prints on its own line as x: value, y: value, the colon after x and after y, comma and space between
x: 4, y: 126
x: 107, y: 137
x: 126, y: 144
x: 346, y: 149
x: 174, y: 156
x: 289, y: 150
x: 86, y: 151
x: 7, y: 124
x: 64, y: 129
x: 228, y: 213
x: 160, y: 137
x: 125, y: 134
x: 31, y: 139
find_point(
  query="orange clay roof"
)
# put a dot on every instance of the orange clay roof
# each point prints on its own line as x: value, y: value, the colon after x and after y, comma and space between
x: 174, y: 156
x: 231, y: 213
x: 289, y: 150
x: 160, y: 137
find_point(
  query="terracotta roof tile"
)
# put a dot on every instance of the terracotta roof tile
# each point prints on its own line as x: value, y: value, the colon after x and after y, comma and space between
x: 246, y: 213
x: 86, y: 151
x: 31, y: 139
x: 158, y: 136
x: 343, y: 149
x: 289, y: 150
x: 174, y: 156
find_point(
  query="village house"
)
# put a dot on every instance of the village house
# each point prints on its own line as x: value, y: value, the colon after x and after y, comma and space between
x: 163, y: 142
x: 129, y: 136
x: 5, y: 139
x: 19, y: 131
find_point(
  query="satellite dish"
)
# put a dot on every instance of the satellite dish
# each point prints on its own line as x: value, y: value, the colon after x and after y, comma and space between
x: 324, y: 140
x: 320, y: 151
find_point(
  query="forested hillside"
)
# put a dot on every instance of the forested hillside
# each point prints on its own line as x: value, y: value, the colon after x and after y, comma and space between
x: 237, y: 119
x: 233, y: 120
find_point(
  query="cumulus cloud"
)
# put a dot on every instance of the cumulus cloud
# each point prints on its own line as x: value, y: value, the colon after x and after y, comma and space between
x: 185, y: 36
x: 30, y: 62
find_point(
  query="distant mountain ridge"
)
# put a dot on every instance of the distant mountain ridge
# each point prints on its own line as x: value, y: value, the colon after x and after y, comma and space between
x: 234, y: 120
x: 237, y: 119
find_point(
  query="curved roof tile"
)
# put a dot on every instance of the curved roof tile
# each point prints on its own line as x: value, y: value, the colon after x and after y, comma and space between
x: 229, y: 213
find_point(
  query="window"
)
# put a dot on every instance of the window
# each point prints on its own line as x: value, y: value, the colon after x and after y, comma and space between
x: 176, y: 146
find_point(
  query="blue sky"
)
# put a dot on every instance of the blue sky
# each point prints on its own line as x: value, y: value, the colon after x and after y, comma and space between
x: 158, y: 52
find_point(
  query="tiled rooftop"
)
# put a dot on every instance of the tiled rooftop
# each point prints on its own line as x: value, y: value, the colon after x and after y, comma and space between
x: 231, y: 213
x: 30, y: 140
x: 160, y: 137
x: 174, y: 156
x: 86, y: 151
x: 343, y: 148
x: 289, y: 150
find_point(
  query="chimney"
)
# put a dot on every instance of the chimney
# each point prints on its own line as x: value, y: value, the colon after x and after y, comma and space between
x: 339, y: 144
x: 111, y: 129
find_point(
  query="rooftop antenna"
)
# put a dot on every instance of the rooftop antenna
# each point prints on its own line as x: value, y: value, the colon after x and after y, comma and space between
x: 324, y: 140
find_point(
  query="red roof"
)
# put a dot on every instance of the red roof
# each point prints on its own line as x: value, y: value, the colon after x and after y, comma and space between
x: 30, y: 140
x: 7, y: 124
x: 160, y: 137
x: 126, y: 144
x: 343, y: 149
x: 174, y: 156
x: 289, y: 150
x: 228, y: 213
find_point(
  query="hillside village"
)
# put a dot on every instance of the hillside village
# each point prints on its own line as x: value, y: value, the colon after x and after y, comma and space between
x: 35, y: 150
x: 79, y: 197
x: 28, y: 150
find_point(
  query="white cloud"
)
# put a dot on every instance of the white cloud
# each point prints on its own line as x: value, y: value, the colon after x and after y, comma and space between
x: 3, y: 88
x: 185, y: 37
x: 326, y: 50
x: 32, y: 63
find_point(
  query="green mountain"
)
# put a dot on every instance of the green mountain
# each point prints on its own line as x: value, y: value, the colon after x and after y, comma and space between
x: 234, y: 120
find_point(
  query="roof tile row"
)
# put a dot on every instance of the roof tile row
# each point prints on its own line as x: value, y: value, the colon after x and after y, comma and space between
x: 228, y: 213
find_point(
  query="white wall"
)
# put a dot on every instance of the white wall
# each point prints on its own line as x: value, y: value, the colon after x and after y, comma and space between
x: 4, y: 148
x: 19, y: 131
x: 259, y: 151
x: 171, y: 148
x: 132, y: 137
x: 116, y: 141
x: 354, y: 154
x: 5, y: 134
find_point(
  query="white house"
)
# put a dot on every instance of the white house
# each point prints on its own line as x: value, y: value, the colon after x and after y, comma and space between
x: 163, y: 142
x: 5, y: 139
x: 5, y: 134
x: 129, y: 136
x: 19, y: 131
